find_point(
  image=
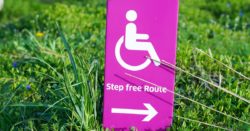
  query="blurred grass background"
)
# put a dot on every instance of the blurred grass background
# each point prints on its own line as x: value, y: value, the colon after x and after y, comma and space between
x: 50, y: 84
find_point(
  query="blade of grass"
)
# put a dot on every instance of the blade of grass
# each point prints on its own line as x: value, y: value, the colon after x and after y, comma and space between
x: 223, y: 64
x: 51, y: 106
x: 10, y: 99
x: 24, y: 121
x: 37, y: 105
x: 71, y: 96
x: 67, y: 47
x: 184, y: 97
x: 204, y: 123
x: 46, y: 63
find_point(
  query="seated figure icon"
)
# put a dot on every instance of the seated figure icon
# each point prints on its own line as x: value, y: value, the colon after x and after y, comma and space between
x: 135, y: 41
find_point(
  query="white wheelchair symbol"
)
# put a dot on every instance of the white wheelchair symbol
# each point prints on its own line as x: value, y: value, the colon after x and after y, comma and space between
x: 131, y: 43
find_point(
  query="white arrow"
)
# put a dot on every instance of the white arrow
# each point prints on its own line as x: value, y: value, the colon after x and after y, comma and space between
x: 150, y: 112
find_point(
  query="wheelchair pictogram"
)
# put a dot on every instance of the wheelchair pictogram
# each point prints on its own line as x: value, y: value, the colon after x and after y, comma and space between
x: 131, y: 43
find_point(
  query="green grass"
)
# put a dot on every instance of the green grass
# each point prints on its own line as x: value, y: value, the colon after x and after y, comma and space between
x: 64, y: 66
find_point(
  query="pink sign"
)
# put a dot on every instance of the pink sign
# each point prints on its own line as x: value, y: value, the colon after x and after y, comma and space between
x: 137, y: 29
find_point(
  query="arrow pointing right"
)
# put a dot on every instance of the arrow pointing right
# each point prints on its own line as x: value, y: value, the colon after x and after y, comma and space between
x: 150, y: 112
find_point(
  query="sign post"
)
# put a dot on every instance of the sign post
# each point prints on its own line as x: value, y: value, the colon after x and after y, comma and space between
x: 137, y: 29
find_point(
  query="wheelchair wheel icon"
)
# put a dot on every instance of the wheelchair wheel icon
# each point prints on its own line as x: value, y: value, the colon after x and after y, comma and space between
x: 123, y: 63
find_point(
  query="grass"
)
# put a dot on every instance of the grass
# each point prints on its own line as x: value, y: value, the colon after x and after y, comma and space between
x: 58, y: 51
